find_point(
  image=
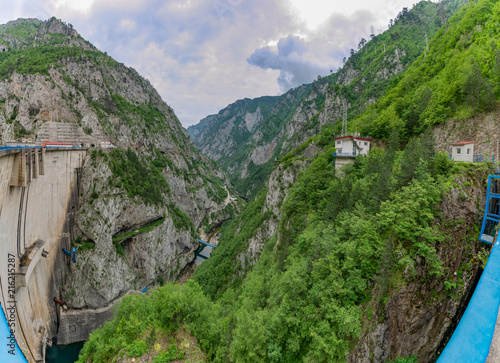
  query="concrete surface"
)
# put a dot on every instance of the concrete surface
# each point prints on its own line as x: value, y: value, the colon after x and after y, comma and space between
x: 39, y: 210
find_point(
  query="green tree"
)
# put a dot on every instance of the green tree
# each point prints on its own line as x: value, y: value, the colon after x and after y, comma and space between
x: 477, y: 90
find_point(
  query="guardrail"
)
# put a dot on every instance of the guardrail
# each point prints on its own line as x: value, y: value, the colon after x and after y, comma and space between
x: 479, y: 158
x: 345, y: 154
x: 19, y: 147
x: 484, y: 158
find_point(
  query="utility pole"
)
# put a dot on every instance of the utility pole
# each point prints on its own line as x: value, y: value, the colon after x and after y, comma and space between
x: 426, y: 45
x: 344, y: 119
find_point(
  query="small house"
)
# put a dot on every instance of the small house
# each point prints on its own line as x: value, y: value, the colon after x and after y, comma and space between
x: 463, y: 151
x: 351, y: 146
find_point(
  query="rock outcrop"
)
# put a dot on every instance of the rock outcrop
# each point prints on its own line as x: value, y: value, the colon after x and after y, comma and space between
x: 417, y: 316
x: 82, y: 96
x: 249, y: 135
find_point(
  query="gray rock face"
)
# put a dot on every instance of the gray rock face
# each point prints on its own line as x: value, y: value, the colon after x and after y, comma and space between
x: 417, y: 317
x: 483, y: 129
x: 280, y: 181
x: 87, y: 98
x: 249, y: 134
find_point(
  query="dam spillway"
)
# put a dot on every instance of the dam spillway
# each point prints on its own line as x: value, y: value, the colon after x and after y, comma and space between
x: 38, y: 197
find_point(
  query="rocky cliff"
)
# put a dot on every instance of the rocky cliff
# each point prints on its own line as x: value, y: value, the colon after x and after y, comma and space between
x: 248, y: 136
x: 420, y: 316
x: 140, y: 204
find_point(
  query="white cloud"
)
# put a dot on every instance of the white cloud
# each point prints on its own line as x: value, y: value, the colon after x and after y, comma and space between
x: 195, y: 51
x: 128, y: 25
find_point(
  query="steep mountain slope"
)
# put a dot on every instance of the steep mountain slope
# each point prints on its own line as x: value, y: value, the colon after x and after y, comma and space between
x: 323, y: 269
x: 246, y: 136
x: 457, y: 79
x: 141, y: 204
x: 375, y: 264
x: 249, y: 135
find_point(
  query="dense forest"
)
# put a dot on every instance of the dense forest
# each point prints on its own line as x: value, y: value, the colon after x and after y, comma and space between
x: 344, y: 239
x: 457, y: 78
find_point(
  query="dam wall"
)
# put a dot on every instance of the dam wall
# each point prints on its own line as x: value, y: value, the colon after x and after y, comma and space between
x: 38, y: 196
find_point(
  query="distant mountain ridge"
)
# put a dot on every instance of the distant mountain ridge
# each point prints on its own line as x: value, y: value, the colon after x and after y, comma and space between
x: 278, y: 124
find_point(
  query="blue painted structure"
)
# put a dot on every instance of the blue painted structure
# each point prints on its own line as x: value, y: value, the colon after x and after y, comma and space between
x: 472, y: 338
x: 66, y: 252
x: 206, y: 243
x: 483, y: 159
x: 491, y: 210
x: 353, y: 155
x: 480, y: 158
x: 51, y: 147
x: 19, y: 147
x: 144, y: 290
x: 5, y: 335
x: 74, y: 254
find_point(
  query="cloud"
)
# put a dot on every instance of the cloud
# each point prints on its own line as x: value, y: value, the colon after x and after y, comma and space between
x: 202, y: 55
x: 300, y: 59
x: 194, y: 52
x: 289, y: 59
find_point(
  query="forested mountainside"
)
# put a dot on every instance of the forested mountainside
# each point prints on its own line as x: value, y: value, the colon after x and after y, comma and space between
x: 370, y: 264
x: 457, y: 79
x: 56, y: 86
x: 248, y: 136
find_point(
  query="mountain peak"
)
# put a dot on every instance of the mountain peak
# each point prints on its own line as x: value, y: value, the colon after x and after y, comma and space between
x: 25, y: 33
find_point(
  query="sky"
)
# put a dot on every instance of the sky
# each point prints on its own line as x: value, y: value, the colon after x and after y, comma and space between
x: 202, y: 55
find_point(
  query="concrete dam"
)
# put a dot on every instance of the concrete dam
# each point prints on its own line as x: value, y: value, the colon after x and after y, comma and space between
x: 38, y: 199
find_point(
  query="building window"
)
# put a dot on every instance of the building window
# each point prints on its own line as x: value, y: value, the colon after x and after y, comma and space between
x: 468, y: 151
x: 339, y: 142
x: 459, y: 151
x: 366, y: 143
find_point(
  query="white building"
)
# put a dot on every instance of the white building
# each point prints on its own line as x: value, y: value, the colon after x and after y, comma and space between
x: 463, y: 151
x: 351, y: 146
x: 106, y: 144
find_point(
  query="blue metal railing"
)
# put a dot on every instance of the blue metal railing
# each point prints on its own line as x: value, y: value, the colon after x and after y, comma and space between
x: 345, y: 154
x: 19, y: 147
x: 479, y: 158
x: 484, y: 158
x: 472, y: 338
x: 491, y: 210
x: 48, y: 147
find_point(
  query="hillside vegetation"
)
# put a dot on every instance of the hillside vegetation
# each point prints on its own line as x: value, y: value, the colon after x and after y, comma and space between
x: 303, y: 299
x: 458, y: 78
x: 372, y: 261
x: 247, y: 137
